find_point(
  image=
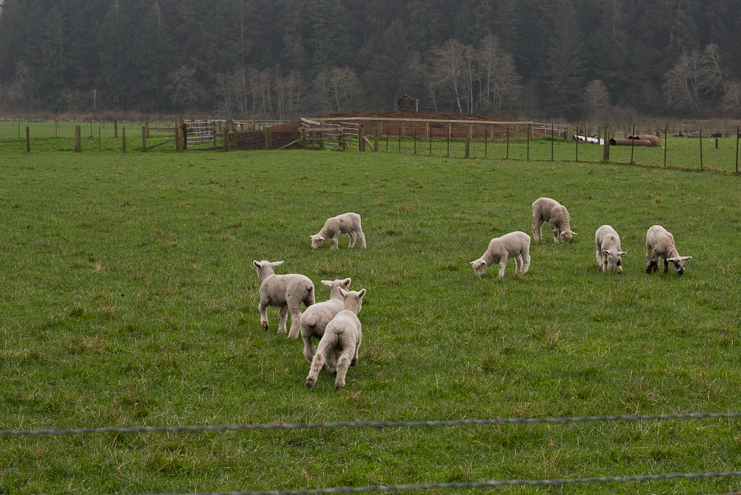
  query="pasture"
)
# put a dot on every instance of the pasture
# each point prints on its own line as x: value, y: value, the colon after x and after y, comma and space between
x: 128, y: 298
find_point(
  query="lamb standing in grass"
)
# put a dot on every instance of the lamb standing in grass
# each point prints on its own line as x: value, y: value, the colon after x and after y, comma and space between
x: 347, y: 223
x: 339, y: 346
x: 514, y: 244
x: 551, y: 211
x: 316, y: 318
x: 284, y: 291
x: 660, y: 243
x: 608, y: 249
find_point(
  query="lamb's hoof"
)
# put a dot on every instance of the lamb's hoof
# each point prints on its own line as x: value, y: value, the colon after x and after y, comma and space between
x: 353, y: 362
x: 620, y: 270
x: 338, y: 386
x: 282, y: 330
x: 265, y: 325
x: 310, y: 382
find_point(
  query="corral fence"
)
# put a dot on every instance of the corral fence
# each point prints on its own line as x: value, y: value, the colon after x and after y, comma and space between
x: 421, y: 424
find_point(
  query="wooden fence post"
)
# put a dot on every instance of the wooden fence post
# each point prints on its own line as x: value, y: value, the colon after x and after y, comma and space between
x: 146, y: 125
x: 28, y: 139
x: 401, y: 131
x: 184, y: 134
x: 468, y: 141
x: 577, y: 141
x: 304, y: 141
x: 414, y: 136
x: 737, y: 137
x: 228, y: 138
x: 387, y: 135
x: 361, y: 137
x: 78, y: 138
x: 56, y: 128
x: 123, y: 139
x: 606, y: 144
x: 666, y: 142
x: 376, y: 136
x: 552, y: 138
x: 571, y: 132
x: 178, y: 141
x: 486, y: 140
x: 268, y: 139
x: 450, y: 131
x: 100, y: 140
x: 700, y: 147
x: 427, y: 131
x: 144, y: 138
x: 529, y: 132
x: 632, y: 144
x: 115, y: 128
x: 507, y: 155
x: 91, y: 128
x: 213, y: 127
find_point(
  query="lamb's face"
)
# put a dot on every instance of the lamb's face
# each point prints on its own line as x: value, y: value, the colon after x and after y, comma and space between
x: 566, y: 236
x: 316, y: 241
x: 678, y: 263
x: 613, y: 259
x: 479, y: 267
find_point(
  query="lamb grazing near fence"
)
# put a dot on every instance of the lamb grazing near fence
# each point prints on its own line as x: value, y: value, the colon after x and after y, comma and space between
x: 551, y: 211
x: 513, y: 245
x: 316, y: 318
x: 608, y: 249
x: 339, y: 346
x: 660, y: 243
x: 347, y: 223
x: 284, y: 291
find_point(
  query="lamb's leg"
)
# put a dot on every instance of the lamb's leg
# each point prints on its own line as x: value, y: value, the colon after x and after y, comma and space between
x: 342, y: 364
x: 295, y: 308
x: 316, y: 366
x: 335, y: 241
x: 537, y: 223
x: 361, y: 236
x: 263, y: 309
x: 353, y: 238
x: 525, y: 258
x: 309, y: 350
x: 282, y: 319
x: 357, y: 348
x: 556, y: 231
x: 666, y: 266
x: 600, y: 260
x: 331, y: 361
x: 502, y: 265
x: 518, y: 264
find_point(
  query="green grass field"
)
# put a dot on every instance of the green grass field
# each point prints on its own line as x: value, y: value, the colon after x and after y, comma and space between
x: 128, y: 298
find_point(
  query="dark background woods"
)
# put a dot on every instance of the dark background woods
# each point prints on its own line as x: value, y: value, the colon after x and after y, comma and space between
x: 280, y: 58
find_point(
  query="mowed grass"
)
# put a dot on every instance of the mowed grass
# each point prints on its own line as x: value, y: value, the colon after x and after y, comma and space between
x: 128, y: 298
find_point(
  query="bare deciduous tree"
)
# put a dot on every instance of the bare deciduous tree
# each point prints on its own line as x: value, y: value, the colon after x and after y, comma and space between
x: 500, y: 83
x: 695, y: 76
x: 596, y: 99
x: 268, y: 94
x: 449, y: 68
x: 183, y: 87
x: 335, y: 90
x: 732, y: 98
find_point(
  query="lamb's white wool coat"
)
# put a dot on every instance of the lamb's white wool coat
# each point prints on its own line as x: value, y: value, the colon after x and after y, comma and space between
x: 347, y: 223
x: 551, y: 211
x: 660, y: 243
x: 339, y: 346
x: 608, y: 249
x: 316, y: 317
x: 284, y: 291
x: 513, y: 245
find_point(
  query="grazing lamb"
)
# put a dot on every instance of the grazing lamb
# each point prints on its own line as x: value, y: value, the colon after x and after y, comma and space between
x: 339, y: 346
x: 284, y: 291
x: 315, y: 318
x: 514, y: 244
x: 608, y: 249
x: 660, y: 243
x: 551, y: 211
x: 347, y: 223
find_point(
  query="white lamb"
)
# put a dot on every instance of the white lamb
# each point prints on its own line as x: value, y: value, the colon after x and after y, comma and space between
x: 551, y: 211
x: 315, y: 318
x: 514, y: 244
x: 284, y: 291
x: 339, y: 346
x: 660, y: 243
x: 608, y: 249
x: 347, y: 223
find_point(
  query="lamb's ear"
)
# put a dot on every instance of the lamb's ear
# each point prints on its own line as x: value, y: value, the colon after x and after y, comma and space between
x: 672, y: 259
x: 347, y: 282
x: 276, y: 263
x: 327, y: 283
x: 622, y: 253
x: 605, y: 251
x: 322, y: 238
x: 343, y: 292
x: 361, y: 293
x: 256, y: 263
x: 685, y: 258
x: 573, y: 233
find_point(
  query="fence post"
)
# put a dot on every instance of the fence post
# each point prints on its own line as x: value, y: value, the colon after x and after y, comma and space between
x: 56, y: 128
x: 632, y: 144
x: 529, y: 131
x: 666, y: 142
x: 450, y: 131
x: 414, y: 136
x: 123, y: 139
x: 486, y: 140
x: 304, y: 142
x: 28, y: 139
x: 429, y: 135
x: 78, y: 138
x: 100, y: 140
x: 401, y: 131
x: 552, y: 138
x: 146, y: 126
x: 144, y: 138
x: 737, y: 136
x: 214, y: 143
x: 228, y: 139
x: 468, y: 141
x: 387, y: 136
x: 427, y: 131
x: 268, y: 137
x: 577, y: 141
x: 91, y: 128
x: 507, y: 156
x: 606, y: 144
x: 178, y: 143
x: 184, y: 132
x: 115, y: 128
x: 571, y: 132
x: 376, y: 136
x: 361, y: 137
x: 700, y: 147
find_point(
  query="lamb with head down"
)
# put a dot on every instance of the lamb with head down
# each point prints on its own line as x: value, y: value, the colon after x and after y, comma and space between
x: 608, y: 249
x: 347, y: 223
x: 660, y: 243
x: 284, y: 291
x: 551, y: 211
x: 513, y: 245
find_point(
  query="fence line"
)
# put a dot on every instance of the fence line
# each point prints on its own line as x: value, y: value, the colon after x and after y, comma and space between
x: 370, y: 424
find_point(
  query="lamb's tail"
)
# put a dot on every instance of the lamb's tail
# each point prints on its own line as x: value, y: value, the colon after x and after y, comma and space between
x: 310, y: 320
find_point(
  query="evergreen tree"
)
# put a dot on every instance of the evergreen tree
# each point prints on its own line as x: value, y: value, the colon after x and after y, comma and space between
x: 565, y: 73
x: 329, y: 41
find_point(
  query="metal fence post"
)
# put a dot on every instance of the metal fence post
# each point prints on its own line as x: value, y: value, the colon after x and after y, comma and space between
x: 666, y: 142
x: 700, y: 147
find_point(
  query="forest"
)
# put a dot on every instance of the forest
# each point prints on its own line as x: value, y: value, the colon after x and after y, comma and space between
x: 277, y: 59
